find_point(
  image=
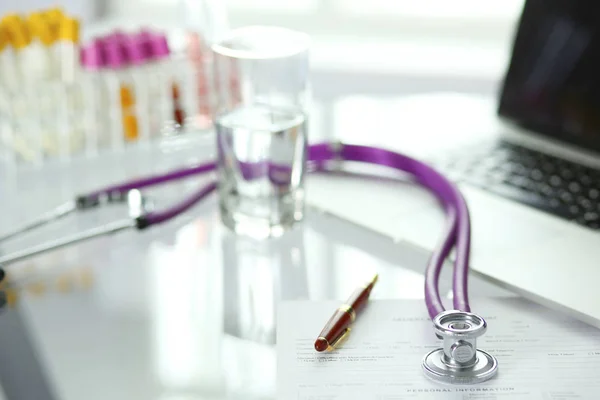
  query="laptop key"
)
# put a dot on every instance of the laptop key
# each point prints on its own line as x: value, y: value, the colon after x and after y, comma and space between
x: 555, y: 181
x: 549, y: 168
x: 566, y: 197
x: 515, y: 180
x: 575, y: 210
x: 585, y: 179
x: 536, y: 175
x: 574, y: 187
x: 554, y: 203
x: 566, y: 174
x: 513, y: 168
x: 546, y: 190
x: 585, y: 203
x: 591, y: 216
x: 590, y: 219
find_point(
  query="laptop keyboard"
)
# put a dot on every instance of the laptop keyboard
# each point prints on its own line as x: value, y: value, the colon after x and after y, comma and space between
x: 551, y: 184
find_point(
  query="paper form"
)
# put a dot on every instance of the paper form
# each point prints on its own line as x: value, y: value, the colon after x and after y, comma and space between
x: 542, y: 355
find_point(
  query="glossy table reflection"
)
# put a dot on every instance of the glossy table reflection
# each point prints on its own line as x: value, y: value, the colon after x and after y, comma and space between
x: 189, y: 311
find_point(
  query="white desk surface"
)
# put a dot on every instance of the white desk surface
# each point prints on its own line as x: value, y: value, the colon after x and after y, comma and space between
x: 187, y: 311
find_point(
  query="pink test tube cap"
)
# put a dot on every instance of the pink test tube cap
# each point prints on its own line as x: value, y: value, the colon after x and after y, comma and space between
x: 146, y: 33
x: 93, y: 56
x: 136, y: 48
x: 117, y: 35
x: 116, y: 56
x: 159, y: 46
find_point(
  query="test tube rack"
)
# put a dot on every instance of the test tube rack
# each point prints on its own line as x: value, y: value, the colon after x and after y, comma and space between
x: 130, y: 89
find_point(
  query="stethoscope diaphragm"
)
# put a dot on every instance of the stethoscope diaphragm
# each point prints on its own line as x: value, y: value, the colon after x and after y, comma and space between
x: 459, y: 361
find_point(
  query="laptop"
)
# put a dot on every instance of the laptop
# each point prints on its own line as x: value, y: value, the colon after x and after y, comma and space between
x: 532, y: 185
x: 552, y: 87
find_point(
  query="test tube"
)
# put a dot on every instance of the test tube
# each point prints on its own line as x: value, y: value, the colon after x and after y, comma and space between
x: 40, y: 47
x: 3, y: 56
x: 160, y: 106
x: 96, y: 121
x: 54, y: 17
x: 206, y: 22
x: 39, y: 72
x: 5, y: 78
x: 171, y: 98
x: 27, y: 137
x: 137, y: 55
x: 200, y: 57
x: 121, y: 94
x: 19, y: 39
x: 68, y: 48
x: 262, y: 129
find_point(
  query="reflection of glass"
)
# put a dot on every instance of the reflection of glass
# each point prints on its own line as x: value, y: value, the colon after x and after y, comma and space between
x: 257, y: 275
x: 186, y: 314
x: 262, y: 88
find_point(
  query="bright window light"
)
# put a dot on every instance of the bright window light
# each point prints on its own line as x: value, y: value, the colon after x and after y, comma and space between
x: 258, y: 5
x: 434, y: 8
x: 274, y: 5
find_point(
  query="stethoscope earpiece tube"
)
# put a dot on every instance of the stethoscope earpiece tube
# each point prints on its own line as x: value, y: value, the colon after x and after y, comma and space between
x: 457, y: 214
x: 3, y: 297
x: 458, y: 361
x: 433, y: 300
x: 154, y: 218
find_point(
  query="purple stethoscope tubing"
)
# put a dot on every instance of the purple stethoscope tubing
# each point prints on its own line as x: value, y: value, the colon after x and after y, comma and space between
x: 457, y: 230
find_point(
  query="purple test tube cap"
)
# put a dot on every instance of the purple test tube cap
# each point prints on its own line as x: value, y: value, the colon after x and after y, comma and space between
x: 137, y: 49
x: 146, y: 33
x: 159, y: 46
x: 117, y: 35
x: 93, y: 56
x: 116, y: 56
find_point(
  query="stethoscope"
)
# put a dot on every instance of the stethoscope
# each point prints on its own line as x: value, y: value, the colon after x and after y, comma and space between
x: 459, y: 361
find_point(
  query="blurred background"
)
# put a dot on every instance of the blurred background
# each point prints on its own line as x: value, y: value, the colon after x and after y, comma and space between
x: 381, y: 36
x: 377, y: 48
x: 101, y: 91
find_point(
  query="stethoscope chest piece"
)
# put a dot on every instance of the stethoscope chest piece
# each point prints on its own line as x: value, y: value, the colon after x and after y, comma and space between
x: 459, y: 361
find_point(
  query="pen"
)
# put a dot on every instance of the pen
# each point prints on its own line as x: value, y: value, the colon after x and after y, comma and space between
x: 338, y: 326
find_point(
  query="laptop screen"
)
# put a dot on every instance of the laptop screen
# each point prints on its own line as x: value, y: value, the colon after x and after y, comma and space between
x: 552, y: 85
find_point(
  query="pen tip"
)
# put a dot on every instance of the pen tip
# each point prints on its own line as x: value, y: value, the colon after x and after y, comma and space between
x: 374, y: 280
x: 321, y: 344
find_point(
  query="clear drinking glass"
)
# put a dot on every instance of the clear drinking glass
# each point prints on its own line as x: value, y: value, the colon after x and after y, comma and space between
x: 261, y: 122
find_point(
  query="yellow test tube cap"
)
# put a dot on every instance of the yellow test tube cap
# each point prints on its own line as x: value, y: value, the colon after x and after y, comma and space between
x: 3, y: 38
x: 18, y: 33
x: 40, y: 29
x: 54, y: 15
x: 69, y: 29
x: 10, y: 19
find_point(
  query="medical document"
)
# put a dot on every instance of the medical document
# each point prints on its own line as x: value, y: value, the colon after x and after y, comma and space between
x: 542, y: 355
